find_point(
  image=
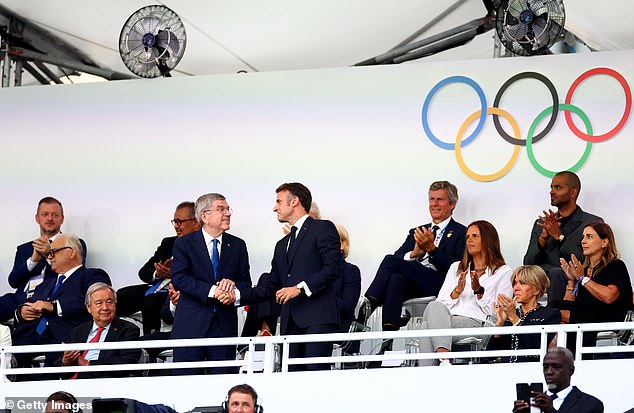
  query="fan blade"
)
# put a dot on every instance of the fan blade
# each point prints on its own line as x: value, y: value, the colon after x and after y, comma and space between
x: 517, y: 31
x: 150, y: 24
x: 168, y: 41
x: 516, y: 7
x: 538, y: 7
x: 542, y: 35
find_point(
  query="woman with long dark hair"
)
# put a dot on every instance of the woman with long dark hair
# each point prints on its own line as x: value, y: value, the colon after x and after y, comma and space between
x: 471, y: 287
x: 600, y: 287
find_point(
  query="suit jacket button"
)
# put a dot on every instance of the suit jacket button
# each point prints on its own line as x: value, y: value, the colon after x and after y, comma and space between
x: 288, y: 276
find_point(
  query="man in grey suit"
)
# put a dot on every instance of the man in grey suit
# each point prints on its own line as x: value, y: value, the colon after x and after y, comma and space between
x: 560, y: 397
x: 558, y: 234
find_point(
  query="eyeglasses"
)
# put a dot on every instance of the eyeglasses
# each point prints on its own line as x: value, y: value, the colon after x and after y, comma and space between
x: 52, y: 252
x: 221, y: 210
x: 178, y: 222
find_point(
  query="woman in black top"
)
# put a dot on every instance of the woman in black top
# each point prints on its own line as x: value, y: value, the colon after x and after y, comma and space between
x: 600, y: 287
x: 529, y: 283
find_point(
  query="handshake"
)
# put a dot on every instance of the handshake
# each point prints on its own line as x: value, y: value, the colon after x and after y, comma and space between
x: 225, y: 291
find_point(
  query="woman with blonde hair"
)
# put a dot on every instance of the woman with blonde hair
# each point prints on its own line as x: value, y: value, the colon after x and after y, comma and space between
x: 530, y: 282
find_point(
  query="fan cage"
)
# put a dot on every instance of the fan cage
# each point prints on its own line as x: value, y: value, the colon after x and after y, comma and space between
x: 152, y: 41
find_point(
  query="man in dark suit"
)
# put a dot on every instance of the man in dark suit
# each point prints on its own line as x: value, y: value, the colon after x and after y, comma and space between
x: 57, y: 305
x: 560, y: 397
x: 104, y: 327
x: 557, y: 235
x: 305, y: 265
x: 30, y: 266
x: 149, y: 297
x: 207, y: 263
x: 419, y: 266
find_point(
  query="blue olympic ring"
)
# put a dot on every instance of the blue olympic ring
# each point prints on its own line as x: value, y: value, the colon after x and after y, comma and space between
x: 483, y: 104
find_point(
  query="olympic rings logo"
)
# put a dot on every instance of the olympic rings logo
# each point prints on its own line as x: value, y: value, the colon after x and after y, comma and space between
x: 532, y: 137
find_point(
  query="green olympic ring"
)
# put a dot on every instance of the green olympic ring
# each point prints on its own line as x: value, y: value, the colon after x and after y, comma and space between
x: 531, y: 131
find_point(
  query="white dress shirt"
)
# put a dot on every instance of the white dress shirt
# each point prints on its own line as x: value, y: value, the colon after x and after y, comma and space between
x: 467, y: 303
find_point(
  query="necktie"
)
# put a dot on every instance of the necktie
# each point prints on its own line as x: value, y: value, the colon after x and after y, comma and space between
x: 41, y: 325
x: 552, y: 399
x: 434, y: 230
x: 291, y: 242
x: 215, y: 258
x: 95, y: 339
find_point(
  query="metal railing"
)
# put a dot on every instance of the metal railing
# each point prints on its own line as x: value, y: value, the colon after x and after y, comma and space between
x: 272, y: 344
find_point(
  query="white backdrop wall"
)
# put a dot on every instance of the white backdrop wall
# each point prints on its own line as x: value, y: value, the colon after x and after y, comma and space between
x: 121, y: 155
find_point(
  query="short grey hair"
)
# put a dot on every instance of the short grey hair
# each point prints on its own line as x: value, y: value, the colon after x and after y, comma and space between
x: 204, y: 202
x: 570, y: 358
x: 97, y: 287
x: 314, y: 209
x: 72, y: 241
x: 451, y: 189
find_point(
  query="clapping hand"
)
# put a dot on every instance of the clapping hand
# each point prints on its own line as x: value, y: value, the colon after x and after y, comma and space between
x: 573, y: 269
x: 550, y: 223
x: 162, y: 268
x: 424, y: 238
x: 505, y: 309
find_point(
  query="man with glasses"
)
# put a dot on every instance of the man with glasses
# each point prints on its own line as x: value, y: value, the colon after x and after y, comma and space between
x: 57, y: 305
x: 30, y: 266
x: 149, y: 298
x: 208, y: 264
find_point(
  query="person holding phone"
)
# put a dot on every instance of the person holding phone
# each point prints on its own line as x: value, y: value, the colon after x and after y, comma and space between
x: 561, y: 397
x: 470, y: 289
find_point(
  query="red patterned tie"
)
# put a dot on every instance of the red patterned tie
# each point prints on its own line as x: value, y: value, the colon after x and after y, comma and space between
x: 95, y: 339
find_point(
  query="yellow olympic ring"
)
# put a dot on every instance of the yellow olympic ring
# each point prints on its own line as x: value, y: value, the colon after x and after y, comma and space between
x: 511, y: 162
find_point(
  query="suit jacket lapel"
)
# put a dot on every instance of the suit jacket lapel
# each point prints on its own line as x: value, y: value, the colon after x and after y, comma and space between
x: 201, y: 248
x: 571, y: 400
x: 573, y: 222
x: 448, y: 232
x: 298, y: 240
x: 225, y: 255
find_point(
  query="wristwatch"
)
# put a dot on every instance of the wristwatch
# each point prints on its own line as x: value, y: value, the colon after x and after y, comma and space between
x: 584, y: 280
x: 479, y: 291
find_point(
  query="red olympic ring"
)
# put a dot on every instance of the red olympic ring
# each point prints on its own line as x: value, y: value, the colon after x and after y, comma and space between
x: 626, y: 113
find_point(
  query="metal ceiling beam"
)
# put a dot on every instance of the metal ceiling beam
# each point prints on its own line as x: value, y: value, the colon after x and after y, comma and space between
x: 33, y: 72
x: 105, y: 73
x: 434, y: 44
x: 48, y: 72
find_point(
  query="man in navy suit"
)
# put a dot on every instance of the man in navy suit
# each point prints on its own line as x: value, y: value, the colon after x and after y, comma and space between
x: 305, y: 265
x: 560, y: 397
x: 104, y: 327
x: 207, y: 263
x: 30, y: 266
x: 419, y: 266
x: 57, y: 305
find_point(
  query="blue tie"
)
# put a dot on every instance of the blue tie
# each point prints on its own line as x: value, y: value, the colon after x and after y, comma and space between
x: 154, y: 288
x: 215, y: 258
x: 41, y: 326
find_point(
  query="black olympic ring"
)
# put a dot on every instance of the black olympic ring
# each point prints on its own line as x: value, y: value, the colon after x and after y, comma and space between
x: 553, y: 116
